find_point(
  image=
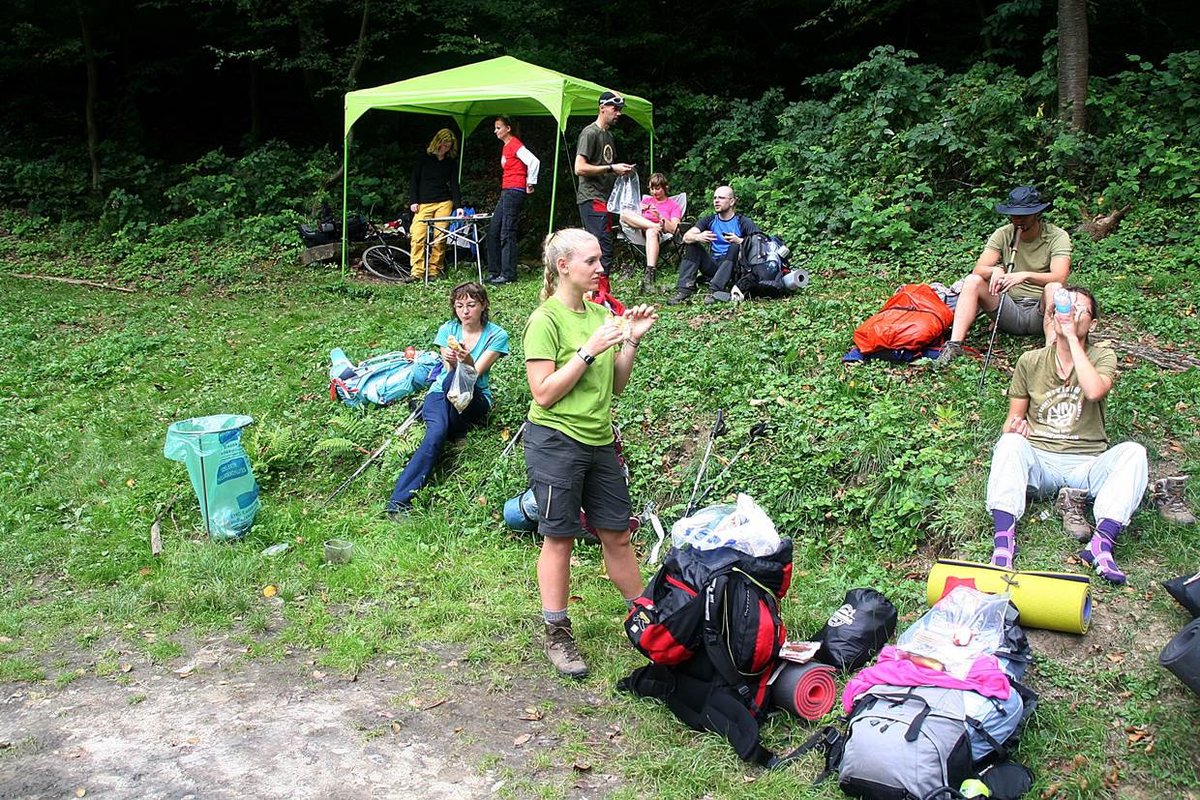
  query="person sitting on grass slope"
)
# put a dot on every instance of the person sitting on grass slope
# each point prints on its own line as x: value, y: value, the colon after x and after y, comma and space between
x: 1041, y: 265
x: 1053, y: 440
x: 577, y: 357
x: 470, y: 337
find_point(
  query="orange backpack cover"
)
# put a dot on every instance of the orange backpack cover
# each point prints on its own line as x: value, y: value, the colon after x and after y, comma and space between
x: 914, y: 318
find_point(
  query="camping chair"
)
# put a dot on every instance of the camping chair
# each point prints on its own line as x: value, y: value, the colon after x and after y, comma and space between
x: 635, y: 238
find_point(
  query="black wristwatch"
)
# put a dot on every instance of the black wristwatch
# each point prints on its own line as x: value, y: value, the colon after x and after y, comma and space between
x: 587, y: 357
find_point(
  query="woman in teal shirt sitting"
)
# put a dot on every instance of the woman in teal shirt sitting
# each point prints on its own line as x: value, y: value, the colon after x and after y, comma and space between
x: 480, y: 344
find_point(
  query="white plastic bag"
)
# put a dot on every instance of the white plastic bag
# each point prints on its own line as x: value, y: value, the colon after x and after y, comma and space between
x: 745, y: 527
x: 961, y: 627
x: 626, y: 193
x: 462, y: 386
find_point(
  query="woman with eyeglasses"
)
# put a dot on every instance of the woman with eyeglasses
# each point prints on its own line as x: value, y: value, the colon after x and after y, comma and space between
x: 577, y: 357
x: 471, y: 338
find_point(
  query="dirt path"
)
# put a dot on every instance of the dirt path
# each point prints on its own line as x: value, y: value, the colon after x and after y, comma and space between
x: 226, y: 727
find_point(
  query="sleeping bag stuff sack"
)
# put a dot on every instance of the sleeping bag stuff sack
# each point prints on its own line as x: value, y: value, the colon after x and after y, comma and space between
x: 219, y: 469
x: 1182, y: 655
x: 914, y: 318
x: 1054, y: 601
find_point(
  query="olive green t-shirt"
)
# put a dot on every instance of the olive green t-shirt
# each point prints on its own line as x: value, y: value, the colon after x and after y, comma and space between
x: 1033, y: 256
x: 554, y: 333
x: 596, y: 147
x: 1060, y: 418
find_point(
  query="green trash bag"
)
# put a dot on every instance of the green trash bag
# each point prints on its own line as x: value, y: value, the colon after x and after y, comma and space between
x: 211, y: 447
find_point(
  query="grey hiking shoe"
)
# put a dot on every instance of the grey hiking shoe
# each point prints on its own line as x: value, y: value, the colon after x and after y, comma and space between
x: 950, y: 351
x: 1167, y: 494
x: 562, y: 652
x: 1072, y: 505
x: 681, y: 296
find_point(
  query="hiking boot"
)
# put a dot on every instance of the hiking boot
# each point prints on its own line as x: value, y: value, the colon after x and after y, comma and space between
x: 1072, y: 505
x: 562, y: 652
x: 1167, y: 494
x: 950, y: 351
x: 680, y: 297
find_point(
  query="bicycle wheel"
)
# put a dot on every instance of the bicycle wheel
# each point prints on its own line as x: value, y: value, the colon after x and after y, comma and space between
x: 386, y: 261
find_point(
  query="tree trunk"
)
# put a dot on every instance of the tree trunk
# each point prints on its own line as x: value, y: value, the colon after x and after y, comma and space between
x: 89, y: 106
x: 1073, y: 62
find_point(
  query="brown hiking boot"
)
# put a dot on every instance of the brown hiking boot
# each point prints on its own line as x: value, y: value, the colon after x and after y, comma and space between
x: 950, y: 351
x: 1167, y: 494
x: 1072, y: 504
x: 562, y: 652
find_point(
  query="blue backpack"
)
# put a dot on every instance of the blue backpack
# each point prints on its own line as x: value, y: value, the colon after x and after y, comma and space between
x: 382, y: 379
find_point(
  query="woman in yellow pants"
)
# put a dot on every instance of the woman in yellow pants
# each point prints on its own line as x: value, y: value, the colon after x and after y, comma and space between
x: 433, y: 192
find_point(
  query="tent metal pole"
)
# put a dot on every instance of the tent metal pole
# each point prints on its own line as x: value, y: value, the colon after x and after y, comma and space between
x: 562, y: 132
x: 345, y: 188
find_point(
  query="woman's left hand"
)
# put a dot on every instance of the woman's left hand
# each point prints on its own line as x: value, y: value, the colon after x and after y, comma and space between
x: 640, y: 319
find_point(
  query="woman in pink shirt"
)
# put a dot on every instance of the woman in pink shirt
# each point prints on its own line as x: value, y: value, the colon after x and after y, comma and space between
x: 657, y: 215
x: 519, y: 169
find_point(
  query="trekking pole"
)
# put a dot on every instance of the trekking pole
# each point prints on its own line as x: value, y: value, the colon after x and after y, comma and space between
x: 1012, y: 261
x: 718, y: 429
x: 760, y: 429
x: 400, y: 430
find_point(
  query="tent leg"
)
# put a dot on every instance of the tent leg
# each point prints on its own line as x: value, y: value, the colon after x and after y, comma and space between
x: 345, y: 188
x: 554, y: 184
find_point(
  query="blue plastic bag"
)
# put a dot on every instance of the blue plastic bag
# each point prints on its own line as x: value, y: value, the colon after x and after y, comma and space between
x: 219, y: 469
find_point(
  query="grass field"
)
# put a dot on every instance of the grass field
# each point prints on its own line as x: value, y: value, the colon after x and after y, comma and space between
x: 874, y: 471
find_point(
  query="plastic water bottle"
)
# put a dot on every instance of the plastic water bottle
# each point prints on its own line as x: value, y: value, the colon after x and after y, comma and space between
x: 1062, y: 301
x: 1062, y: 304
x: 772, y: 258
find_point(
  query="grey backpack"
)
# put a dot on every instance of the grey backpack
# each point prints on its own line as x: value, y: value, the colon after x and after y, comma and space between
x: 906, y: 743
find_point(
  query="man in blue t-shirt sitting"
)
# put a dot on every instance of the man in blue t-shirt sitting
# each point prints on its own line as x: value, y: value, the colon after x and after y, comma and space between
x: 712, y: 247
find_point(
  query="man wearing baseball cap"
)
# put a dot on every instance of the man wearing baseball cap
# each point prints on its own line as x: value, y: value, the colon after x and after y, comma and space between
x: 597, y: 168
x: 1041, y: 258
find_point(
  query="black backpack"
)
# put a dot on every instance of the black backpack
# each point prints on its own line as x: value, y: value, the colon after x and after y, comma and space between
x: 762, y: 266
x: 709, y: 621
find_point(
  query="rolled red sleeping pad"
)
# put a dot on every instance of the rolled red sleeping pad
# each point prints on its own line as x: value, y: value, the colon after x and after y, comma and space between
x: 1182, y: 655
x: 806, y: 690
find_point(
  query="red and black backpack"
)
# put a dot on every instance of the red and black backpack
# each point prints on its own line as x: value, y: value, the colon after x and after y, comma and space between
x: 709, y: 621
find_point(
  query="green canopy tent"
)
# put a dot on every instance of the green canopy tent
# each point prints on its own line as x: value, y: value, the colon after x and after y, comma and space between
x: 477, y: 92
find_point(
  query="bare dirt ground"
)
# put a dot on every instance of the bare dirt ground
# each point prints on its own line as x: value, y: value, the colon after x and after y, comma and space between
x: 224, y: 726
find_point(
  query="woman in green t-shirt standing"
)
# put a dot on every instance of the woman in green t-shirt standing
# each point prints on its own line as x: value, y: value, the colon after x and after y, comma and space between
x: 577, y: 356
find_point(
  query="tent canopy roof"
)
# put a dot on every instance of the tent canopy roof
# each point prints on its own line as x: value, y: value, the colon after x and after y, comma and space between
x: 476, y: 92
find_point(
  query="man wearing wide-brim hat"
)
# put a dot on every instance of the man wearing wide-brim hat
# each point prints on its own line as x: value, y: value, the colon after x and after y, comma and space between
x: 1040, y: 264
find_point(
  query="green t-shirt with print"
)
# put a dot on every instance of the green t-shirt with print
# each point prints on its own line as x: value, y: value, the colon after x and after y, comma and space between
x: 597, y: 148
x: 1060, y: 418
x: 1033, y: 256
x: 555, y: 333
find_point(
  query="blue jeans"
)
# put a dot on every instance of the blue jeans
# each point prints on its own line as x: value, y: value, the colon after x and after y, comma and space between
x: 502, y: 235
x: 442, y: 421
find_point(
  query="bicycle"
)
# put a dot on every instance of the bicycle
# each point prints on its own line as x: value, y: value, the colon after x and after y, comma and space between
x: 386, y: 259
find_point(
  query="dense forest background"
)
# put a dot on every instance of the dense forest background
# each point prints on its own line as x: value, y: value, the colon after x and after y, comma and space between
x: 866, y: 119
